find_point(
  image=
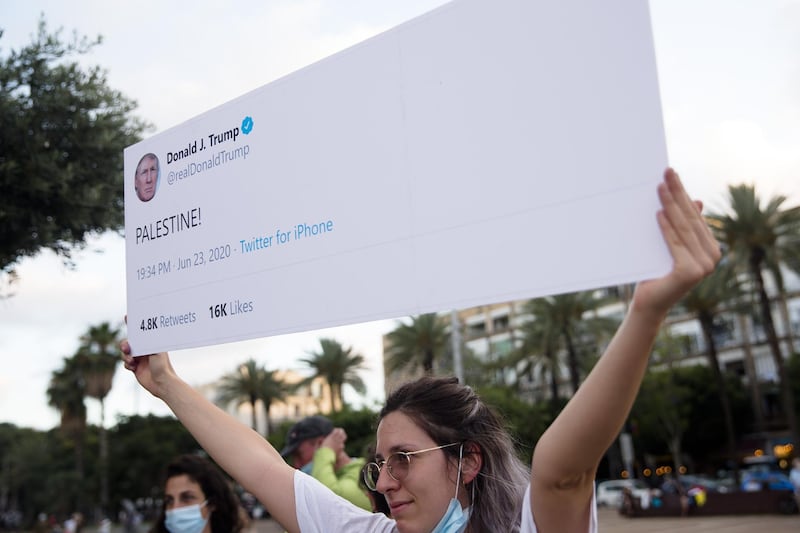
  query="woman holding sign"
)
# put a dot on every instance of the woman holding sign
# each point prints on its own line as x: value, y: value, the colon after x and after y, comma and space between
x: 444, y: 461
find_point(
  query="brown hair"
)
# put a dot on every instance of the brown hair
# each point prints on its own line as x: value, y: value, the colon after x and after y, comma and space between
x: 226, y: 517
x: 450, y: 412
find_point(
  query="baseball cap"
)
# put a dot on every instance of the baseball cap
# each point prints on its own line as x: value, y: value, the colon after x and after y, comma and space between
x: 308, y: 428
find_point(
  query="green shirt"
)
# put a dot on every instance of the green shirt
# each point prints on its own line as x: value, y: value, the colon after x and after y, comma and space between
x: 343, y: 482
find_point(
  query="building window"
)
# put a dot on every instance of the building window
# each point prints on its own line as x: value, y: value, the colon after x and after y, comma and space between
x: 500, y: 323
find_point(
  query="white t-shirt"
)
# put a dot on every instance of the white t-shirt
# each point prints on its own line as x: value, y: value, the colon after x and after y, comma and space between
x: 319, y: 510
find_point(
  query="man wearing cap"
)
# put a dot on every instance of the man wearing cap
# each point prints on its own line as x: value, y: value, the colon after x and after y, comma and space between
x: 314, y: 446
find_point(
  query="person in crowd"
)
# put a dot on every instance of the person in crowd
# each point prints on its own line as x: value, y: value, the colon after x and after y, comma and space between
x: 74, y: 523
x: 377, y: 500
x: 794, y: 477
x: 444, y: 460
x: 315, y: 447
x: 198, y: 499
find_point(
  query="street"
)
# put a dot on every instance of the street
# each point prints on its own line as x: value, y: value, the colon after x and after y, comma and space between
x: 613, y: 522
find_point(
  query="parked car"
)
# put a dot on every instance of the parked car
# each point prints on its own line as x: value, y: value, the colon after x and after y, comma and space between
x: 609, y: 493
x: 755, y: 480
x: 706, y: 483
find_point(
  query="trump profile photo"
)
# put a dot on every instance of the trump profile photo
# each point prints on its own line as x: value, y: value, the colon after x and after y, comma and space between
x: 146, y: 179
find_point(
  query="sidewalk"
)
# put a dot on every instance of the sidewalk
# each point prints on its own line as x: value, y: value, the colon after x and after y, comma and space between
x: 613, y: 522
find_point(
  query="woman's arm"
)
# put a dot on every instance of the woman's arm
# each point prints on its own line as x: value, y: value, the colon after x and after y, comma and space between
x: 240, y: 451
x: 566, y: 457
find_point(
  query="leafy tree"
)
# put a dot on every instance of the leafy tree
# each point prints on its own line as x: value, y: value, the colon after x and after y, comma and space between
x: 539, y: 349
x: 66, y: 392
x: 63, y: 133
x: 706, y: 300
x: 663, y: 404
x: 760, y: 237
x: 524, y: 421
x: 143, y: 445
x: 418, y: 344
x: 662, y: 408
x: 338, y: 366
x: 99, y: 358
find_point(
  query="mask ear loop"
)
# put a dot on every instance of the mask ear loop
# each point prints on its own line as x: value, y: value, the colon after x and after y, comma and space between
x: 458, y: 478
x: 472, y: 489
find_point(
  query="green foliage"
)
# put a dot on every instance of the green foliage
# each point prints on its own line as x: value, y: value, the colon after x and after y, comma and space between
x: 38, y: 467
x: 63, y: 133
x: 252, y: 383
x: 761, y: 236
x: 360, y: 426
x: 568, y: 324
x: 139, y: 449
x: 338, y: 366
x: 684, y: 401
x: 524, y: 421
x: 419, y: 344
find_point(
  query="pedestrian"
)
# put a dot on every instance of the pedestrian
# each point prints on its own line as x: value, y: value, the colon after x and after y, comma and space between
x: 794, y: 476
x: 444, y: 459
x: 315, y: 447
x: 73, y: 523
x: 197, y: 499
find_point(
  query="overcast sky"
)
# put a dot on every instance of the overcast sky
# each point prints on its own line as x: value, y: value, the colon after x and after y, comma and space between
x: 730, y: 87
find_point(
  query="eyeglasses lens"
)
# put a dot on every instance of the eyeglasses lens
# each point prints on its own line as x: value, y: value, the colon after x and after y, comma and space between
x: 397, y: 465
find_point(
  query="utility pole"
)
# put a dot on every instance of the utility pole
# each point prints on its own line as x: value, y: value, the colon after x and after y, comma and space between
x: 455, y: 336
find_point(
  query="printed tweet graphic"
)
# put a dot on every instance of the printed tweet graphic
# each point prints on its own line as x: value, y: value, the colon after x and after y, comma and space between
x: 418, y: 171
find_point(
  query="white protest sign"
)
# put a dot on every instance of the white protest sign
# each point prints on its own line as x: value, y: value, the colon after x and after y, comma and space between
x: 485, y: 151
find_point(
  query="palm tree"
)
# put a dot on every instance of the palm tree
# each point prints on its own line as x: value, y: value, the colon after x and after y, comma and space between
x: 98, y: 360
x: 244, y: 385
x: 540, y: 345
x: 65, y: 392
x: 760, y: 238
x: 273, y: 389
x: 338, y: 366
x: 572, y: 318
x: 706, y: 300
x: 417, y: 344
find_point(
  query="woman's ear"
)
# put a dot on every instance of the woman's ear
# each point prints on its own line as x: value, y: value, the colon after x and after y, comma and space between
x: 471, y: 462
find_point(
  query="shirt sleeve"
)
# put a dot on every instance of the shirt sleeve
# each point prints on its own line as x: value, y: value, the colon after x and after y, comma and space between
x: 321, y: 511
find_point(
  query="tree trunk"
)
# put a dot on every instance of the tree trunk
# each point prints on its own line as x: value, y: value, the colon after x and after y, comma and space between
x: 706, y: 322
x: 752, y: 375
x: 427, y: 362
x: 267, y: 421
x: 787, y: 322
x: 553, y: 382
x: 572, y: 361
x: 103, y: 461
x: 787, y: 398
x: 253, y: 422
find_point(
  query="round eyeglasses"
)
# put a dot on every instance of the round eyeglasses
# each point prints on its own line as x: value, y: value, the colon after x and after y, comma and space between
x: 396, y: 464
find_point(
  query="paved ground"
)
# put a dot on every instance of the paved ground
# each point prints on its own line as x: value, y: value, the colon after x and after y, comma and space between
x: 612, y: 522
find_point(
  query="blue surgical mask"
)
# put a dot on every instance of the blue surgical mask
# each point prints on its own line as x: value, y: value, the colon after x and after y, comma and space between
x: 307, y: 468
x: 455, y: 518
x: 187, y: 519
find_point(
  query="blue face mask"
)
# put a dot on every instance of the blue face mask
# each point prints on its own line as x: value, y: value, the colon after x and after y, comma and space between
x: 455, y: 518
x: 307, y: 468
x: 187, y: 519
